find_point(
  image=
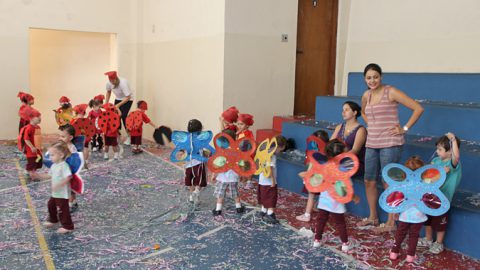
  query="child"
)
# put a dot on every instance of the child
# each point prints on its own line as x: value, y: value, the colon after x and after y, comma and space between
x: 80, y: 112
x: 410, y: 220
x: 448, y: 151
x: 195, y: 170
x: 244, y: 122
x: 323, y: 135
x: 27, y: 101
x: 136, y: 134
x: 60, y: 174
x: 97, y: 139
x: 111, y: 136
x: 228, y: 119
x: 32, y: 147
x: 329, y: 207
x: 67, y: 134
x: 228, y: 179
x: 64, y: 114
x: 267, y: 186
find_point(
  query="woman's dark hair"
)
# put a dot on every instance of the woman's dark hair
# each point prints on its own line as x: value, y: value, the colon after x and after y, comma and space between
x: 94, y: 102
x: 372, y: 66
x: 322, y: 134
x: 355, y: 107
x: 68, y: 128
x: 444, y: 142
x: 334, y: 148
x: 194, y: 125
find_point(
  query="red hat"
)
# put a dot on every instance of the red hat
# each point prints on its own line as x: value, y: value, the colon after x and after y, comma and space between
x: 99, y: 98
x: 231, y: 114
x: 24, y: 97
x: 28, y: 113
x: 80, y: 109
x: 246, y: 118
x: 112, y: 75
x: 142, y: 105
x: 64, y: 99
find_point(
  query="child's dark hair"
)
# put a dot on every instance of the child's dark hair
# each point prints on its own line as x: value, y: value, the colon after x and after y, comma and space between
x: 444, y: 142
x: 94, y: 102
x: 281, y: 142
x: 414, y: 162
x: 194, y: 125
x: 372, y: 66
x: 322, y: 134
x: 66, y: 106
x: 230, y: 133
x: 62, y: 147
x: 334, y: 148
x: 354, y: 107
x: 68, y: 128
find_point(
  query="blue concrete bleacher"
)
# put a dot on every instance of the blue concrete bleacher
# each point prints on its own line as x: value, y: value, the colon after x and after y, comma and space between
x: 445, y: 110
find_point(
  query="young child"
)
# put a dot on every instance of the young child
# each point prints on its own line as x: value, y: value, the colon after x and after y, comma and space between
x: 329, y: 207
x: 227, y: 180
x: 61, y: 175
x: 228, y: 119
x: 67, y: 134
x: 64, y: 114
x: 32, y: 147
x: 80, y: 112
x: 136, y: 134
x: 95, y: 105
x: 267, y: 186
x: 244, y: 122
x: 323, y: 135
x: 27, y: 101
x: 448, y: 151
x: 111, y: 137
x: 195, y: 170
x: 410, y: 221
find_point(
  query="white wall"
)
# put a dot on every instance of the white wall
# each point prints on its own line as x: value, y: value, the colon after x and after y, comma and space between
x: 16, y: 17
x: 181, y: 61
x: 259, y: 68
x: 408, y: 36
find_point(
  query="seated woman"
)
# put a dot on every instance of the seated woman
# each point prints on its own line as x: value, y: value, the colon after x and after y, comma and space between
x: 352, y: 133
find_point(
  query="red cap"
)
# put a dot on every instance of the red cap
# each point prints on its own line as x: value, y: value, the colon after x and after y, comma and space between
x: 28, y: 113
x: 64, y: 99
x: 100, y: 98
x: 80, y: 109
x: 142, y: 105
x: 112, y: 75
x: 246, y: 118
x: 24, y: 97
x: 231, y: 114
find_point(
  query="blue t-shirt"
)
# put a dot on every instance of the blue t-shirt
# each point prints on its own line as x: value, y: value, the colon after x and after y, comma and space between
x: 453, y: 177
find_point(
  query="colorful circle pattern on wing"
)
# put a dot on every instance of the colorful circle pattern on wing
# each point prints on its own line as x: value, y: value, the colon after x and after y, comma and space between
x: 419, y: 188
x: 233, y: 155
x: 190, y: 146
x: 332, y: 176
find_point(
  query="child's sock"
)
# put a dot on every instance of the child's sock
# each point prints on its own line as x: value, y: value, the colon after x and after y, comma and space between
x: 115, y: 155
x: 264, y: 210
x: 238, y: 205
x: 219, y: 207
x: 270, y: 212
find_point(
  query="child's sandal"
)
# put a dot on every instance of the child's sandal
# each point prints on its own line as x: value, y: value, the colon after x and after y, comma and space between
x: 368, y: 222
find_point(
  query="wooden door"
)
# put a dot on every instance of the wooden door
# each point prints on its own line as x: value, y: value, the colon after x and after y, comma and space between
x: 316, y: 52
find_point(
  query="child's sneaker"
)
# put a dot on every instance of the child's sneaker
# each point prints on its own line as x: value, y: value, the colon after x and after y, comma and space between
x: 436, y: 248
x: 216, y: 212
x: 303, y: 218
x: 410, y: 259
x: 94, y: 149
x: 48, y: 224
x: 105, y: 156
x: 346, y: 247
x: 127, y: 141
x: 424, y: 242
x: 190, y: 198
x: 393, y: 255
x: 316, y: 243
x: 115, y: 156
x: 240, y: 209
x: 261, y: 214
x: 63, y: 231
x: 272, y: 219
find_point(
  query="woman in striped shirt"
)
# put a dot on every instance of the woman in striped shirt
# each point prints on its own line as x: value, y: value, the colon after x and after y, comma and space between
x: 385, y: 136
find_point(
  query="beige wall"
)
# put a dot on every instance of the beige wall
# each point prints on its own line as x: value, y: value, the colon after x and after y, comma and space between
x: 408, y: 36
x: 16, y: 17
x: 259, y: 68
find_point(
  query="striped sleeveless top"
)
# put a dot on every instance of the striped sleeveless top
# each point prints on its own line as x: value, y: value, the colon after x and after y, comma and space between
x: 381, y: 117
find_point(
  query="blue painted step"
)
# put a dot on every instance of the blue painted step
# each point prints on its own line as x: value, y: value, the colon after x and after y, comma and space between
x: 437, y: 119
x: 446, y: 87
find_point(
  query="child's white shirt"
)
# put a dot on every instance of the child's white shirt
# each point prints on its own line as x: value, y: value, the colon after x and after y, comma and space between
x: 267, y: 181
x: 228, y: 177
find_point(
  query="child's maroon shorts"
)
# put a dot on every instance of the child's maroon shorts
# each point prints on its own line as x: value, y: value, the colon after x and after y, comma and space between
x: 267, y: 196
x: 32, y: 163
x: 111, y: 141
x: 196, y: 176
x: 439, y: 223
x: 136, y: 140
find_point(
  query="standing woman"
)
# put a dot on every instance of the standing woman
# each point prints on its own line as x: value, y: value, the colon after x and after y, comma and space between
x: 123, y: 97
x: 385, y: 138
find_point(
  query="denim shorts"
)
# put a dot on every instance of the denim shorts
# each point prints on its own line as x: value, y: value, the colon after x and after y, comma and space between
x: 376, y: 159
